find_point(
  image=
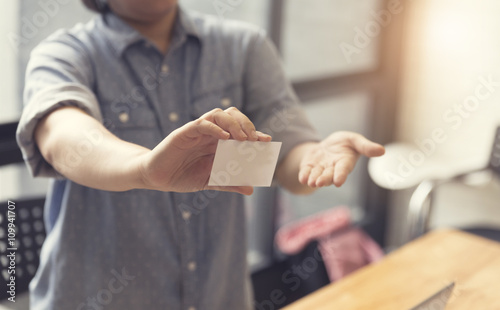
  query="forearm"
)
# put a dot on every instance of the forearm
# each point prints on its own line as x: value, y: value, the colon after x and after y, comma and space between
x: 84, y: 151
x: 287, y: 172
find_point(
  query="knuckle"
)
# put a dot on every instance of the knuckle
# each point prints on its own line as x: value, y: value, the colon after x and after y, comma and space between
x: 198, y: 122
x: 249, y: 125
x: 234, y: 125
x: 232, y: 109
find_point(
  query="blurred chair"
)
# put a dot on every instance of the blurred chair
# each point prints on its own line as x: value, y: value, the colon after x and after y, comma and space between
x: 421, y: 206
x: 428, y: 181
x: 29, y: 226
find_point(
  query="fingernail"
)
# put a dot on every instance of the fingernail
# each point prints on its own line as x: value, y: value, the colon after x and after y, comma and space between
x: 225, y: 135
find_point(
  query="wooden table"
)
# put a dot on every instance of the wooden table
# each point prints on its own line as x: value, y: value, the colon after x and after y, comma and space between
x: 416, y: 271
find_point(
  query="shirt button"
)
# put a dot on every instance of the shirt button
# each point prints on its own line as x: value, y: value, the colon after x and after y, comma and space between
x: 124, y: 117
x: 186, y: 215
x: 191, y: 266
x: 225, y: 102
x: 164, y: 69
x: 173, y: 117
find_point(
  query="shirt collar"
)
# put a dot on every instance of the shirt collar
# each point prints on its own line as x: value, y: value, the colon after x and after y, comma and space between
x: 188, y: 23
x: 121, y: 35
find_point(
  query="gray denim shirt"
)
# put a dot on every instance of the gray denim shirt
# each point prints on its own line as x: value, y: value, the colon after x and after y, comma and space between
x: 143, y: 249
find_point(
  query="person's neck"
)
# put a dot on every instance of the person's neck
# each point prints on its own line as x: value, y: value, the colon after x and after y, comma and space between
x: 159, y: 31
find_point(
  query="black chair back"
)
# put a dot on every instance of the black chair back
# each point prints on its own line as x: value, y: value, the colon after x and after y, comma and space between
x: 22, y: 229
x: 22, y: 234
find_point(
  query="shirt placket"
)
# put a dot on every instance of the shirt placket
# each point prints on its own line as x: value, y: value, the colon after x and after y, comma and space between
x: 171, y: 93
x: 188, y: 258
x: 174, y: 113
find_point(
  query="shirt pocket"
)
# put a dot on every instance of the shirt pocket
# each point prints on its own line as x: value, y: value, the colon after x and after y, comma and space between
x: 134, y: 123
x: 223, y: 98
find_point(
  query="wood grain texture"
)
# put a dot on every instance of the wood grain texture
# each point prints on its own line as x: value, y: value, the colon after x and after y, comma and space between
x: 416, y: 271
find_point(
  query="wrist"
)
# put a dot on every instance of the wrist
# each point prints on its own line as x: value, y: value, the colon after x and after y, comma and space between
x: 136, y: 171
x: 288, y: 170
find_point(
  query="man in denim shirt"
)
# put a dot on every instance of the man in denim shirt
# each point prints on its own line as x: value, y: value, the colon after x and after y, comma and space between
x: 124, y: 113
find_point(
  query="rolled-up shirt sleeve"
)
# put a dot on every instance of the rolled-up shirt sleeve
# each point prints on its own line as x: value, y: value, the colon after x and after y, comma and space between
x: 270, y: 102
x: 59, y: 73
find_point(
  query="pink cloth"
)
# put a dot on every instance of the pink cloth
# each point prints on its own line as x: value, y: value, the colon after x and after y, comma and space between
x: 344, y: 249
x: 347, y: 252
x: 292, y: 238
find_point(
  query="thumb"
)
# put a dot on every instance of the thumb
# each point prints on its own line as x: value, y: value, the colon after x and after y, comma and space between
x: 245, y: 190
x: 366, y: 147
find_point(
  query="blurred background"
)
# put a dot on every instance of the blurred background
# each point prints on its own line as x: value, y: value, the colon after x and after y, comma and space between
x: 399, y: 72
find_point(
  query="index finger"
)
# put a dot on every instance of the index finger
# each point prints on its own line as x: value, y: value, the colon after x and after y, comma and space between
x: 227, y: 122
x: 245, y: 123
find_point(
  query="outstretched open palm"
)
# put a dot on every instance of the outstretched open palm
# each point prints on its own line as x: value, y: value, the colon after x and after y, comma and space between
x: 330, y: 161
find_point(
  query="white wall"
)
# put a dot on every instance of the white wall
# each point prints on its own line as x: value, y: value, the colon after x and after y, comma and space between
x: 9, y: 106
x: 8, y: 61
x: 451, y: 46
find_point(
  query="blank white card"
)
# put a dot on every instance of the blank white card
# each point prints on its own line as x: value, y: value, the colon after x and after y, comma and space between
x: 244, y: 163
